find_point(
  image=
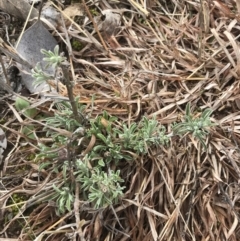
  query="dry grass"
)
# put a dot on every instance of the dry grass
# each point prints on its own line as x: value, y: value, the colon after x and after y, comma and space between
x: 164, y: 55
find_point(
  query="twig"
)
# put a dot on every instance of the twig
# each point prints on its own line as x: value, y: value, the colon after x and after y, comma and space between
x: 70, y: 93
x: 25, y: 24
x: 11, y: 52
x: 95, y: 25
x: 69, y: 46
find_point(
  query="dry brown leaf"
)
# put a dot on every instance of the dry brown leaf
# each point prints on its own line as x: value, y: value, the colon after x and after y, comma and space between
x: 233, y: 227
x: 73, y: 10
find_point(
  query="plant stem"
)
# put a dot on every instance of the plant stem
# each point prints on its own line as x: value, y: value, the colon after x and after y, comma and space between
x: 70, y: 94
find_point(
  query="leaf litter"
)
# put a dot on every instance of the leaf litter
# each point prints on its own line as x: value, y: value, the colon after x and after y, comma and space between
x: 161, y: 56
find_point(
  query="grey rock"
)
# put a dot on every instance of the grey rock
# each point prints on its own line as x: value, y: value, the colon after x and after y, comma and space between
x: 34, y: 39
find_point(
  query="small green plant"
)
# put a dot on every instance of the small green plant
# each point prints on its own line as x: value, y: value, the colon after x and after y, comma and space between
x: 64, y: 117
x: 39, y: 75
x: 114, y: 141
x: 24, y: 106
x: 103, y: 188
x: 53, y: 59
x: 76, y: 45
x: 56, y: 61
x: 148, y: 133
x: 198, y: 127
x: 15, y: 203
x: 64, y: 199
x: 100, y: 185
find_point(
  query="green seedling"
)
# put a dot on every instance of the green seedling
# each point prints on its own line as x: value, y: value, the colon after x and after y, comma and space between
x: 198, y: 127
